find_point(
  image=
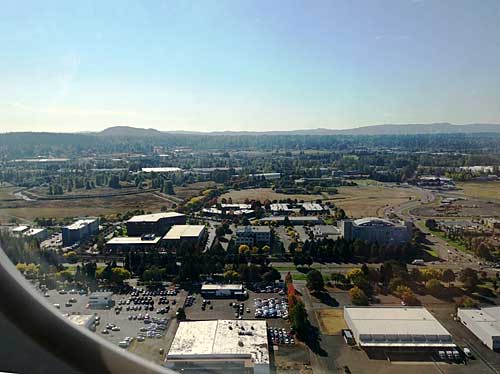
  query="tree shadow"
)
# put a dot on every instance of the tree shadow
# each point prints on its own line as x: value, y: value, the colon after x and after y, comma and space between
x: 325, y: 298
x: 312, y: 339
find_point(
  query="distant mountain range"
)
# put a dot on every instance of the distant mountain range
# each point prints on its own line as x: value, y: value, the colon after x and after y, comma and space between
x: 386, y: 129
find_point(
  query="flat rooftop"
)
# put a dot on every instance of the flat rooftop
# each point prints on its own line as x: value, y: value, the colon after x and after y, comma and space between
x: 161, y: 170
x: 488, y: 319
x: 124, y: 240
x: 396, y: 326
x: 221, y: 339
x: 20, y: 229
x: 154, y: 217
x: 31, y: 232
x: 184, y: 231
x: 81, y: 223
x: 214, y: 287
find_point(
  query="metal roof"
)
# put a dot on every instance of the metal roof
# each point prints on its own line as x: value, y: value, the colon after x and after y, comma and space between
x: 397, y: 326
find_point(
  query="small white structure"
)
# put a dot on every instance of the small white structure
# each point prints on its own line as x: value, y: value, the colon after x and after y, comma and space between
x: 100, y: 300
x: 484, y: 323
x: 83, y: 320
x: 223, y: 290
x: 396, y: 327
x: 231, y: 345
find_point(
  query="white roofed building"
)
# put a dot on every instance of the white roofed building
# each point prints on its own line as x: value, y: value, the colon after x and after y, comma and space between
x: 484, y: 323
x: 220, y: 346
x: 396, y: 327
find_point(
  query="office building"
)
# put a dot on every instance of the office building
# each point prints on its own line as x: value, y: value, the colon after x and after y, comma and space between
x: 79, y: 230
x: 376, y: 230
x: 156, y: 223
x: 253, y: 235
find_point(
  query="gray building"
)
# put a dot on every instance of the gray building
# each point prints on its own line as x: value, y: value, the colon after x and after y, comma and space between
x: 79, y: 230
x: 253, y: 235
x: 100, y: 300
x: 376, y: 230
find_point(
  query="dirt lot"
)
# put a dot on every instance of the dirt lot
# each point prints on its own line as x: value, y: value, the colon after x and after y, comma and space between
x: 460, y: 209
x: 264, y: 194
x: 193, y: 189
x: 481, y: 190
x: 370, y: 200
x: 331, y: 321
x: 74, y: 208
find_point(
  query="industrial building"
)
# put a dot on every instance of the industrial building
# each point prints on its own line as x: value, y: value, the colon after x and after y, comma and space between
x: 223, y: 290
x: 220, y: 346
x: 79, y: 230
x: 410, y: 328
x: 179, y: 234
x: 376, y: 230
x: 253, y: 235
x: 156, y: 223
x: 100, y: 300
x: 484, y: 323
x: 133, y: 243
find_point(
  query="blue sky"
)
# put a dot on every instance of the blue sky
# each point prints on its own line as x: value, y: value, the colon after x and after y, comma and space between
x: 247, y: 65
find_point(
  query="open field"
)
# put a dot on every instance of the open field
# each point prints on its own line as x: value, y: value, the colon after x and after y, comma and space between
x: 481, y: 190
x: 331, y: 321
x: 28, y: 210
x: 265, y: 194
x: 370, y: 200
x: 193, y: 189
x: 7, y: 192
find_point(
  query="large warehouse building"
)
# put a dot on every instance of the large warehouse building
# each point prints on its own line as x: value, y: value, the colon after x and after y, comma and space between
x: 373, y: 229
x: 401, y: 328
x: 220, y: 346
x: 156, y: 223
x: 484, y: 323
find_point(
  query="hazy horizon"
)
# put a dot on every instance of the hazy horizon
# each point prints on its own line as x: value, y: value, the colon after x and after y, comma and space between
x: 247, y: 66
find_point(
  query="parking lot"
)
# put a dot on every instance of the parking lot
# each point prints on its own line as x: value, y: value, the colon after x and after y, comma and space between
x: 127, y: 323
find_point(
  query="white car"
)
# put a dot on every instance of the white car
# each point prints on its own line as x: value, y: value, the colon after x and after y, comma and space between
x: 467, y: 352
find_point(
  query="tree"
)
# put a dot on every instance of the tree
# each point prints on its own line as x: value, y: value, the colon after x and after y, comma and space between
x: 181, y: 314
x: 434, y: 287
x: 315, y: 280
x: 431, y: 224
x: 409, y: 298
x: 469, y: 279
x: 119, y: 275
x: 358, y: 297
x: 298, y: 318
x: 467, y: 302
x: 448, y: 276
x: 243, y: 248
x: 337, y: 278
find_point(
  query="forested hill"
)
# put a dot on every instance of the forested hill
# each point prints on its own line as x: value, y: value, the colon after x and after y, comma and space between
x: 386, y: 129
x: 19, y: 145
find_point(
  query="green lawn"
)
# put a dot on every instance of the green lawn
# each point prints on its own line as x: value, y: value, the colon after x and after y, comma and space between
x: 454, y: 243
